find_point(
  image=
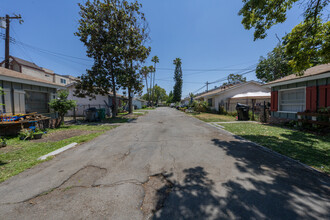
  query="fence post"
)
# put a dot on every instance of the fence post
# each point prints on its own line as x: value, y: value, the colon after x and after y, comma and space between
x: 74, y: 114
x: 253, y: 109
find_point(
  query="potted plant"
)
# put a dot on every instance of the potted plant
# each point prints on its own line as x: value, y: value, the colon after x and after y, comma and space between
x: 26, y: 134
x: 38, y: 134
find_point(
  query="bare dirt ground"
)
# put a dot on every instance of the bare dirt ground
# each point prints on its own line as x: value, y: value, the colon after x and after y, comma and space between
x: 61, y: 135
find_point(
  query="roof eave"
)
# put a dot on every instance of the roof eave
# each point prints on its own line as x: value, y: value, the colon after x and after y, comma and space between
x: 297, y: 80
x: 30, y: 82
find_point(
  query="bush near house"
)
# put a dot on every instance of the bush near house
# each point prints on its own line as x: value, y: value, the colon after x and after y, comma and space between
x: 62, y: 105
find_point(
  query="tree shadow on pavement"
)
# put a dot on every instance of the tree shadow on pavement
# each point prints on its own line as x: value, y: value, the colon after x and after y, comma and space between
x: 266, y: 187
x: 190, y: 199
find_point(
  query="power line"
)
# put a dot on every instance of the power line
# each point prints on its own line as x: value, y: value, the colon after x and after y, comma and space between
x: 59, y: 54
x: 203, y: 70
x: 182, y: 82
x: 199, y: 89
x: 22, y: 48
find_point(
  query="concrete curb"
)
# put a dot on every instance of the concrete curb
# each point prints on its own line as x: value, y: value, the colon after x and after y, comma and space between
x: 60, y: 150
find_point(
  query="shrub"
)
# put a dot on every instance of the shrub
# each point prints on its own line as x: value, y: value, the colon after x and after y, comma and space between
x: 234, y: 114
x: 144, y: 106
x: 26, y: 134
x: 201, y: 106
x: 3, y: 142
x: 62, y: 105
x: 222, y: 110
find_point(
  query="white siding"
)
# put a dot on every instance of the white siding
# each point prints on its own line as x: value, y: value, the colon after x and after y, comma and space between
x: 223, y: 97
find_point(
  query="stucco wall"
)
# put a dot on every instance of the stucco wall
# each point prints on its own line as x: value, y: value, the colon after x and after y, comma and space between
x: 57, y: 79
x: 37, y: 73
x: 223, y: 97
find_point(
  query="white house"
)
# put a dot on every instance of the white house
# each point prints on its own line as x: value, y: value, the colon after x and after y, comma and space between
x: 226, y: 96
x: 139, y: 103
x: 100, y: 101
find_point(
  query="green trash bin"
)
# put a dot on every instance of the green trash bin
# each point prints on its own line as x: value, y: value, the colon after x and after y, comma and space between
x: 101, y: 113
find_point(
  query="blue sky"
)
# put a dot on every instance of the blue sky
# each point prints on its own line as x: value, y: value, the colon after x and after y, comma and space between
x: 205, y: 34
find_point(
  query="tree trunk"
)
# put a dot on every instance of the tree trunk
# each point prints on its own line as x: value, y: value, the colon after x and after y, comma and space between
x: 147, y: 90
x: 153, y: 84
x: 130, y: 102
x: 150, y: 92
x: 114, y: 102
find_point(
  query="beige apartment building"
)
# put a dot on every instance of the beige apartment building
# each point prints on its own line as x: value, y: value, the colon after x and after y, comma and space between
x: 31, y: 69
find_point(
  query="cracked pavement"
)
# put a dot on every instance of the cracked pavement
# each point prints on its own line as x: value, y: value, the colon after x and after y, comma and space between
x: 166, y: 165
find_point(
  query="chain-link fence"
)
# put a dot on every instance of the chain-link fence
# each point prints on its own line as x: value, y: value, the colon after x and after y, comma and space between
x: 80, y: 110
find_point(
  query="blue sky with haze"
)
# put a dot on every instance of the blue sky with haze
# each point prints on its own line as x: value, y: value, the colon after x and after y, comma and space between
x: 205, y: 34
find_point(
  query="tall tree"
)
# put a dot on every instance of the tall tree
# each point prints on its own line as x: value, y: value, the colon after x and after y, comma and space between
x: 263, y: 14
x: 135, y: 35
x: 235, y: 78
x: 275, y: 65
x: 101, y: 29
x: 155, y: 60
x: 159, y: 95
x: 145, y: 71
x: 177, y: 89
x: 308, y: 47
x: 113, y: 32
x: 170, y: 97
x: 304, y: 38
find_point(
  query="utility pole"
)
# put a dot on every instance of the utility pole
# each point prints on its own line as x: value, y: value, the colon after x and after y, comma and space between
x: 207, y: 86
x: 7, y: 40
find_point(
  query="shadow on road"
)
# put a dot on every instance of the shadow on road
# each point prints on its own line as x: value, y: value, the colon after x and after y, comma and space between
x: 269, y: 187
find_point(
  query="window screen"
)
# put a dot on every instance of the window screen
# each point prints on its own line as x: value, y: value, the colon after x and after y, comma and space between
x: 292, y: 100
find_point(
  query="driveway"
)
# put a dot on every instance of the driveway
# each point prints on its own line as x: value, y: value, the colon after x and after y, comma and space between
x: 166, y: 165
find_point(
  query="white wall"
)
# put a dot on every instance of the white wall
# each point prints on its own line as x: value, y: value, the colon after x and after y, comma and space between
x: 137, y: 103
x: 222, y: 97
x: 83, y: 103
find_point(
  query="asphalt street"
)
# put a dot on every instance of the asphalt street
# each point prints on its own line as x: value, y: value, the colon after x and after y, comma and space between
x: 166, y: 165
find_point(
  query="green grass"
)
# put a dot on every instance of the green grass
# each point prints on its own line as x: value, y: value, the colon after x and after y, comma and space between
x: 25, y: 154
x: 209, y: 117
x: 118, y: 119
x: 308, y: 148
x: 148, y: 108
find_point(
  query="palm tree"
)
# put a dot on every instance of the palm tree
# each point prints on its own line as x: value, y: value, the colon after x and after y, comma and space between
x: 145, y: 72
x: 155, y: 60
x: 191, y: 95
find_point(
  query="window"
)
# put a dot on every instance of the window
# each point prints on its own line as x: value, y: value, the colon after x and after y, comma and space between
x: 63, y: 81
x: 293, y: 100
x: 209, y: 102
x: 36, y: 102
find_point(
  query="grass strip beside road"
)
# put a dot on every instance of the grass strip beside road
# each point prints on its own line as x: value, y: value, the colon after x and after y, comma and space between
x: 209, y: 117
x: 307, y: 148
x: 20, y: 155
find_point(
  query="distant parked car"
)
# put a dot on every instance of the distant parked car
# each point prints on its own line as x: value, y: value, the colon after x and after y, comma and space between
x: 172, y: 105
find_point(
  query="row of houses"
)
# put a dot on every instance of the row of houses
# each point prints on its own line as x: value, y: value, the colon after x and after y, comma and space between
x: 28, y: 88
x: 287, y: 96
